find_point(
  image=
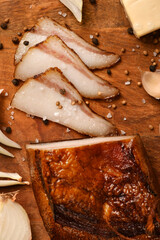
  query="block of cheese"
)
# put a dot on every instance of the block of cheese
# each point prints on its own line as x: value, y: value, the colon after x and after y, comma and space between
x: 144, y: 15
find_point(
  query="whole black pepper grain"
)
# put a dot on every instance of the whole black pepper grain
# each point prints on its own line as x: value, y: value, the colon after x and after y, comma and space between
x: 1, y: 46
x: 4, y: 26
x: 19, y: 34
x: 8, y: 130
x: 25, y: 29
x: 15, y: 40
x: 130, y: 31
x: 152, y: 68
x: 15, y: 82
x: 26, y: 43
x: 95, y: 41
x: 46, y: 122
x: 92, y: 1
x: 62, y: 91
x: 109, y: 72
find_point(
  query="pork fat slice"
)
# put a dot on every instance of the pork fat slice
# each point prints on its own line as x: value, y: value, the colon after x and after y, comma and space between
x: 51, y: 97
x: 90, y: 55
x: 54, y: 53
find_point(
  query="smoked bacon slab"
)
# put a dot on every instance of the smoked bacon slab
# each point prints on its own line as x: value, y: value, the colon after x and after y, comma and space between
x: 95, y: 189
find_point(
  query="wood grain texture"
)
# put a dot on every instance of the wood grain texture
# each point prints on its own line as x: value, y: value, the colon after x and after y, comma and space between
x: 106, y: 17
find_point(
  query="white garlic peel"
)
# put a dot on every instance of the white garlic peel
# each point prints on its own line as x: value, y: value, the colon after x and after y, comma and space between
x: 75, y: 6
x: 8, y: 142
x: 14, y: 176
x: 151, y: 83
x: 14, y: 220
x: 7, y: 183
x: 1, y: 90
x: 5, y: 152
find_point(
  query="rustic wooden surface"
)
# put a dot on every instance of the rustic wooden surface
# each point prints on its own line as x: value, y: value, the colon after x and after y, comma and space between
x: 106, y: 17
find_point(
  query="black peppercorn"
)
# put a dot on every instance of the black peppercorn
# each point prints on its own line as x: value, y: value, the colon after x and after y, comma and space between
x: 8, y: 130
x: 1, y: 46
x: 95, y: 41
x: 130, y: 31
x: 19, y: 34
x: 15, y: 40
x: 92, y: 1
x: 26, y: 43
x: 152, y: 68
x: 46, y: 122
x: 15, y: 82
x: 4, y: 26
x: 62, y: 91
x: 109, y: 72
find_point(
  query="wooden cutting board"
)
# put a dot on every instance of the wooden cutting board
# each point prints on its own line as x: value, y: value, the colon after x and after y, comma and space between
x: 108, y: 19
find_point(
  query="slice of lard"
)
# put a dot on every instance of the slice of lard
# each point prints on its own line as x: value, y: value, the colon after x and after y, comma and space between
x: 50, y: 96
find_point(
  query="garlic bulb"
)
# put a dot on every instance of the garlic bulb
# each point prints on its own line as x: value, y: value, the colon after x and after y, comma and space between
x: 75, y: 6
x: 14, y: 221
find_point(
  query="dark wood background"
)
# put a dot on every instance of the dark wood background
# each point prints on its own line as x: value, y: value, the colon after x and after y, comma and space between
x: 108, y: 19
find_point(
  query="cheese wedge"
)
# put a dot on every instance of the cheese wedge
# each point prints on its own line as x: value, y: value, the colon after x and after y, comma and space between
x: 144, y: 15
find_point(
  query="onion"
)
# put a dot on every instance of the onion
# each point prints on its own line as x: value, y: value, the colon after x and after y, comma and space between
x: 75, y: 6
x: 5, y: 152
x: 14, y: 221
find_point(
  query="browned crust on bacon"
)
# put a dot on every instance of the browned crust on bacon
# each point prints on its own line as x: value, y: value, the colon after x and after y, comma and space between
x: 69, y: 233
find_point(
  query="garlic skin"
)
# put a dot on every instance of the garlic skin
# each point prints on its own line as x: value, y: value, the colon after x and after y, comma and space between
x: 75, y: 6
x: 8, y: 183
x: 14, y: 220
x: 151, y: 83
x: 14, y: 176
x: 6, y: 141
x: 5, y: 152
x: 1, y: 90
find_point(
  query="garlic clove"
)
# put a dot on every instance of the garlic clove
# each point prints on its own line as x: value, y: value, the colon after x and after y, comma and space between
x: 14, y: 220
x: 14, y: 176
x: 8, y: 142
x: 151, y: 83
x: 7, y: 183
x: 75, y: 6
x: 6, y: 153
